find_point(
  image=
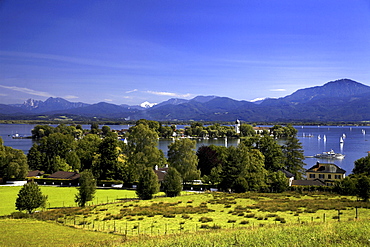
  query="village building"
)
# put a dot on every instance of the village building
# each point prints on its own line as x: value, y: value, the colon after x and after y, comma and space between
x: 326, y: 172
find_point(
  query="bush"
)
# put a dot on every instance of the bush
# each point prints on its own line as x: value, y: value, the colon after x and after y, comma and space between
x: 205, y: 219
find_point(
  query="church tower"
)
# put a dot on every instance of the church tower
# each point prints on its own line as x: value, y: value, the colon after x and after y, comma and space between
x: 237, y: 126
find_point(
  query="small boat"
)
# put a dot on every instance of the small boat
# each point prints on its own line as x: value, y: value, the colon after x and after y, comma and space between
x: 341, y: 140
x: 18, y: 136
x: 329, y: 155
x: 318, y: 137
x: 324, y: 138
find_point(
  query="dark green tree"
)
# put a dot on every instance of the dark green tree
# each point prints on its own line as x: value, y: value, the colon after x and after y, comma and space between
x: 271, y: 150
x: 247, y: 130
x: 277, y: 182
x: 207, y: 159
x: 172, y: 183
x: 39, y: 131
x: 94, y: 128
x: 105, y: 130
x: 362, y: 166
x: 54, y: 145
x: 346, y: 186
x: 13, y: 163
x: 293, y: 157
x: 142, y: 151
x: 34, y: 158
x: 243, y: 170
x: 148, y: 184
x: 105, y: 167
x: 86, y: 149
x: 363, y: 187
x: 30, y: 198
x: 87, y: 188
x: 181, y: 155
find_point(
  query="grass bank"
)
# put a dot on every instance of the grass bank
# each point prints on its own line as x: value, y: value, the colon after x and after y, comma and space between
x: 60, y: 196
x: 28, y: 232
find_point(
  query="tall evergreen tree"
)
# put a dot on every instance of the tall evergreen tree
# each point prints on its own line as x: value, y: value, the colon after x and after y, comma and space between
x: 293, y: 157
x: 87, y: 188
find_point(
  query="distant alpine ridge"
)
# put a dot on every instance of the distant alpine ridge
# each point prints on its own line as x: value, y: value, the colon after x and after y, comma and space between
x: 340, y: 100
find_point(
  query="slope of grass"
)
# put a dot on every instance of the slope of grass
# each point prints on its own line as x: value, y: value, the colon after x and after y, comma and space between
x: 38, y: 233
x: 60, y: 196
x: 200, y: 212
x: 354, y: 233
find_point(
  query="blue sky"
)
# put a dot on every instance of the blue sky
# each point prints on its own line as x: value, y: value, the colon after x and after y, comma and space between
x: 128, y: 52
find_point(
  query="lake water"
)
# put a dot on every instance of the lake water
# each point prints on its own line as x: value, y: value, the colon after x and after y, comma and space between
x: 356, y: 142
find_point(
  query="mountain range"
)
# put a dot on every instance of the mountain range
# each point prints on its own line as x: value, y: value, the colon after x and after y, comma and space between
x: 340, y: 100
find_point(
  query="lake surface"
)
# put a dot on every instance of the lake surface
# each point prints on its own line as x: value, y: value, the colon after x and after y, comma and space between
x: 356, y: 143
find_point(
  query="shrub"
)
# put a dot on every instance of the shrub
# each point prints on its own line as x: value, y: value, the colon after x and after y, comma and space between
x: 244, y: 222
x: 205, y: 219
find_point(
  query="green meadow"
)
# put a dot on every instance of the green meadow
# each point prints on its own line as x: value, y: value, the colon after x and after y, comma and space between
x: 205, y: 219
x: 60, y: 196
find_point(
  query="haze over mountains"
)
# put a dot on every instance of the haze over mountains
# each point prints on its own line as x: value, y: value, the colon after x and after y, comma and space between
x: 341, y: 100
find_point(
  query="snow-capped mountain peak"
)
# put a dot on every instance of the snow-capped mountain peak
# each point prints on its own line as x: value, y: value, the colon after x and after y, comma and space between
x: 146, y: 104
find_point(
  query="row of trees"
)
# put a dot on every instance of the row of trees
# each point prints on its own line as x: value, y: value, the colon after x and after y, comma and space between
x: 358, y: 183
x: 109, y: 158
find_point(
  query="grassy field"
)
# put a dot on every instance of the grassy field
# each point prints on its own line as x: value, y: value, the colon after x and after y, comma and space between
x: 60, y: 196
x: 193, y: 213
x: 205, y: 219
x: 27, y: 232
x: 354, y: 234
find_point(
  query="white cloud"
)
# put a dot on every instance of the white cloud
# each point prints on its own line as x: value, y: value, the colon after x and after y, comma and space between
x: 170, y: 94
x: 28, y: 91
x: 278, y: 90
x: 70, y: 97
x: 108, y: 100
x: 135, y: 90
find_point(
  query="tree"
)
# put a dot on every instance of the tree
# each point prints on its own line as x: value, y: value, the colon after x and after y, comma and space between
x: 207, y: 159
x: 346, y: 186
x: 86, y: 149
x: 30, y: 197
x: 13, y: 163
x: 274, y: 159
x: 181, y: 155
x: 362, y: 166
x: 277, y: 181
x: 142, y: 151
x: 148, y: 184
x: 106, y: 164
x: 243, y: 170
x: 293, y: 157
x: 56, y: 144
x: 247, y: 130
x: 363, y: 188
x: 87, y: 188
x: 172, y: 183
